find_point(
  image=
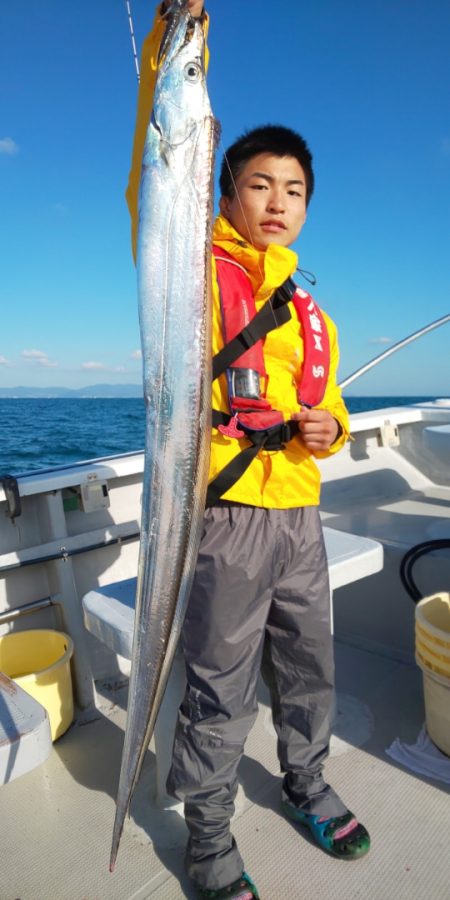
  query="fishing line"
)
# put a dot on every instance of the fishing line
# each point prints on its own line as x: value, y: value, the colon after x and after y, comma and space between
x: 240, y: 202
x: 133, y: 42
x: 236, y: 190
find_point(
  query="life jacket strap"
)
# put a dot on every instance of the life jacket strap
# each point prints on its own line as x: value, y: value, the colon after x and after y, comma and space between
x: 270, y: 439
x: 274, y: 313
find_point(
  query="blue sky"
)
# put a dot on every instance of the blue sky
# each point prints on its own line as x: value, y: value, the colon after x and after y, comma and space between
x: 367, y: 84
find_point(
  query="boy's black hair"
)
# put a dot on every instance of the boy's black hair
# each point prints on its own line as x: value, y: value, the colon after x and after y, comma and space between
x: 274, y: 139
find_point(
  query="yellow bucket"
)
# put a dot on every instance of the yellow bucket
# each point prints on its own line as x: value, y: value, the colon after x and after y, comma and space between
x: 433, y: 657
x: 39, y: 661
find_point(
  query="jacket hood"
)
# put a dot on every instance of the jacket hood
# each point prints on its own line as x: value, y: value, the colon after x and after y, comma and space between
x: 267, y: 269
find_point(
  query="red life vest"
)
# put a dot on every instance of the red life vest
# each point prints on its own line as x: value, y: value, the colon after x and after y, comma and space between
x: 247, y: 376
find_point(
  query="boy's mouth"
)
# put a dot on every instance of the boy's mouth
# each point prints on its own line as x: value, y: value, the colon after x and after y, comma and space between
x: 273, y: 226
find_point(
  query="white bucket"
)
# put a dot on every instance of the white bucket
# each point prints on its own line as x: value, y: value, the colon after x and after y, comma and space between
x: 433, y: 657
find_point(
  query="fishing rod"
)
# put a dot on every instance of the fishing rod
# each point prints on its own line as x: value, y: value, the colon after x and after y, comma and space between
x: 133, y: 42
x: 398, y: 346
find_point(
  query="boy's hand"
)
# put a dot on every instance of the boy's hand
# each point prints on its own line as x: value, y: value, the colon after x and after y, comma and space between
x: 196, y: 8
x: 318, y: 429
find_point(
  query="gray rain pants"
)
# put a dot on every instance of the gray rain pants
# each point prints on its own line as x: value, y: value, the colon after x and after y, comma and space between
x: 260, y: 599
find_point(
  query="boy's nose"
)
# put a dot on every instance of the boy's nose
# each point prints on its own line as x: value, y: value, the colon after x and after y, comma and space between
x: 276, y: 202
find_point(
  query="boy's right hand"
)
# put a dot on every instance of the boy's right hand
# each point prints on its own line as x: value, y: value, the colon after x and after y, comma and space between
x: 318, y: 428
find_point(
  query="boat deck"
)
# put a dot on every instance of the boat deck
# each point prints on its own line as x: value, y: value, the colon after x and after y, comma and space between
x: 57, y: 820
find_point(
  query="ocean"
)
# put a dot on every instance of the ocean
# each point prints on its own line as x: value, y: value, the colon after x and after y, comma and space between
x: 42, y: 433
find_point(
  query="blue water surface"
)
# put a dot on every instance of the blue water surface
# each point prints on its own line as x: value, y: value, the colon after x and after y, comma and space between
x: 42, y: 433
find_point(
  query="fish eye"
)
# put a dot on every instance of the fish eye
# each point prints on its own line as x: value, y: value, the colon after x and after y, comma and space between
x: 192, y: 72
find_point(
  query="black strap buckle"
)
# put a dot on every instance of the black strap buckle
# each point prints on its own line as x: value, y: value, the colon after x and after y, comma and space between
x: 274, y: 438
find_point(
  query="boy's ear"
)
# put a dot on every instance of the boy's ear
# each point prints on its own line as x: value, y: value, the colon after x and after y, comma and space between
x: 224, y: 206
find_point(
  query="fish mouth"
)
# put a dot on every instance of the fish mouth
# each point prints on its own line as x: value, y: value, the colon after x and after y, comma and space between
x: 173, y: 15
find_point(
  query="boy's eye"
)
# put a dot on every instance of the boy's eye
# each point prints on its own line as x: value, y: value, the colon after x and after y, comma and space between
x: 259, y: 187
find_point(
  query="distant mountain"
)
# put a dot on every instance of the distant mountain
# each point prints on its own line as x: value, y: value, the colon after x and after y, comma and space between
x: 94, y: 390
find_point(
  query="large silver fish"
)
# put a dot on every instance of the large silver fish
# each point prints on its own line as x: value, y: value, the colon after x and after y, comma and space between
x: 173, y: 264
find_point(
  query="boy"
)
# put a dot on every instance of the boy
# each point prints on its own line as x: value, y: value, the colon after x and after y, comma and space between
x: 260, y: 598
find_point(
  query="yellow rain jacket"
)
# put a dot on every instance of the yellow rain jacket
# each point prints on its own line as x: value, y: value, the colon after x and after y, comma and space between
x: 275, y: 479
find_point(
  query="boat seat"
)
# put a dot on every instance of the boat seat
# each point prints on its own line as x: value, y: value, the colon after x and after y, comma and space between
x: 108, y: 613
x: 25, y: 736
x: 109, y: 610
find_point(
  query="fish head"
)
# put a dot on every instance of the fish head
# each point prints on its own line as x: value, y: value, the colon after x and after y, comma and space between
x: 181, y: 102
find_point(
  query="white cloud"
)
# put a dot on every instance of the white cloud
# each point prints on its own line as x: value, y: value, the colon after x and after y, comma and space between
x: 92, y: 365
x: 5, y: 362
x: 40, y: 358
x: 47, y: 363
x: 8, y: 147
x: 34, y: 354
x: 136, y: 354
x: 381, y: 340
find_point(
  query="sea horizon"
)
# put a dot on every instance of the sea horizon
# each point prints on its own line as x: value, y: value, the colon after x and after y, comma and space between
x: 134, y: 390
x: 44, y: 432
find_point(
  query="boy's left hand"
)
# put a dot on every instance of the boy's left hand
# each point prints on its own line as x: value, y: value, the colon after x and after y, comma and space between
x: 318, y: 429
x: 196, y: 8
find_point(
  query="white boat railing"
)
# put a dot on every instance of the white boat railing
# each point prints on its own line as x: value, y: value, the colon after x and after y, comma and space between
x: 398, y: 346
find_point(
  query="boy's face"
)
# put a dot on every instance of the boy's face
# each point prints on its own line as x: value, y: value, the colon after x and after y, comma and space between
x: 269, y: 206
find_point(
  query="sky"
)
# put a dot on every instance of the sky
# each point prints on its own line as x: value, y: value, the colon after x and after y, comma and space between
x: 366, y: 83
